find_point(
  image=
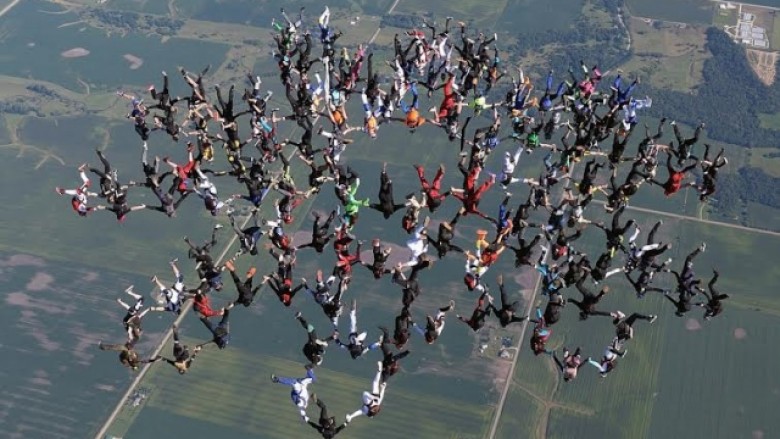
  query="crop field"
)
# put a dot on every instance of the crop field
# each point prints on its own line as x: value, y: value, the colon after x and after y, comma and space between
x: 685, y: 11
x: 57, y: 313
x: 674, y: 364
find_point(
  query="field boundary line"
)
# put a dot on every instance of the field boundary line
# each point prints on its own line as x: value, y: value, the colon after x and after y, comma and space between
x: 698, y: 220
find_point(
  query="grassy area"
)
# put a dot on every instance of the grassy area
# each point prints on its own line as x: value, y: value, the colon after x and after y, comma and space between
x: 235, y: 411
x: 728, y: 360
x: 531, y: 406
x: 724, y: 17
x: 144, y: 6
x: 761, y: 216
x: 740, y: 385
x: 764, y: 158
x: 685, y: 11
x: 482, y: 17
x: 770, y: 121
x: 260, y: 13
x: 525, y: 16
x: 590, y: 406
x: 50, y: 150
x: 58, y: 311
x: 670, y: 56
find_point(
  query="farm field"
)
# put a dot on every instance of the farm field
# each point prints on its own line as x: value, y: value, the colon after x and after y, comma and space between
x: 683, y: 376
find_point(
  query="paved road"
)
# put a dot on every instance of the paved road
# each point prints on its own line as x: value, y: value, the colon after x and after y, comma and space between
x: 16, y: 2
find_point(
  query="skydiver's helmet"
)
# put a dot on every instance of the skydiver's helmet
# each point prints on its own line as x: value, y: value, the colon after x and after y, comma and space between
x: 391, y: 369
x: 532, y: 140
x: 471, y: 281
x: 479, y: 101
x: 452, y: 130
x: 335, y: 96
x: 215, y: 281
x: 373, y: 410
x: 211, y: 205
x: 560, y: 251
x: 630, y: 189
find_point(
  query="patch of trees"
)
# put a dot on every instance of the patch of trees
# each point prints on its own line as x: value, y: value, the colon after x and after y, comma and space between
x: 19, y: 106
x: 727, y: 199
x: 760, y: 187
x: 749, y: 184
x: 162, y: 25
x: 728, y: 100
x: 119, y: 19
x: 43, y: 91
x: 133, y: 21
x: 613, y: 6
x: 604, y: 46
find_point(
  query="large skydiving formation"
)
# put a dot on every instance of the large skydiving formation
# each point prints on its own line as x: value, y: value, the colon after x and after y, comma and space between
x: 464, y: 71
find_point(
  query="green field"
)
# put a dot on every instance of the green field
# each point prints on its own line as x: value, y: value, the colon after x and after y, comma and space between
x: 145, y: 6
x: 57, y: 313
x: 232, y: 408
x: 529, y: 16
x: 685, y: 11
x: 514, y: 17
x: 673, y: 365
x: 72, y: 140
x: 770, y: 121
x: 766, y: 159
x: 35, y: 52
x: 727, y: 17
